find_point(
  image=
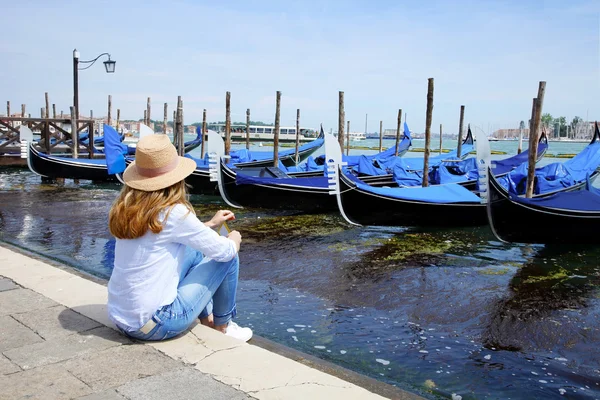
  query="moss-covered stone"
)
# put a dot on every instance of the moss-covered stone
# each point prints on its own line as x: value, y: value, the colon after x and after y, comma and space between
x: 494, y: 271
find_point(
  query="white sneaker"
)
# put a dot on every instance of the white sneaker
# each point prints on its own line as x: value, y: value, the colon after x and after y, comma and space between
x: 236, y: 331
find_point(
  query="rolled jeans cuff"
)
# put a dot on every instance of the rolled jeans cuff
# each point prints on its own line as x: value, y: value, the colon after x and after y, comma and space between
x: 224, y: 319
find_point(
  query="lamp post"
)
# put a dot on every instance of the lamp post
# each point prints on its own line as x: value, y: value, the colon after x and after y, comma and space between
x: 109, y: 65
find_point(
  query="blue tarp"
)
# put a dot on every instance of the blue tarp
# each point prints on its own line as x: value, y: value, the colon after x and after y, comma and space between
x: 580, y: 200
x: 555, y: 176
x: 114, y: 150
x: 244, y: 155
x: 311, y: 182
x: 360, y: 162
x: 438, y: 194
x: 500, y: 167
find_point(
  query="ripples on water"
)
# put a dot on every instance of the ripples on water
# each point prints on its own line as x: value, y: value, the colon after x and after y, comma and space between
x: 433, y: 311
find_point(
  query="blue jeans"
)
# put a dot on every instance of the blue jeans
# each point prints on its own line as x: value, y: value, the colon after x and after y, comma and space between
x: 205, y: 286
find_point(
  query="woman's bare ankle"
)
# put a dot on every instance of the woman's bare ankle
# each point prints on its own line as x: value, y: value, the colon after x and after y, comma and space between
x: 221, y: 328
x: 208, y: 321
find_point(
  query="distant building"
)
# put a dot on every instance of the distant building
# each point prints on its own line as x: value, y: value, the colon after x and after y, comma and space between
x: 510, y: 133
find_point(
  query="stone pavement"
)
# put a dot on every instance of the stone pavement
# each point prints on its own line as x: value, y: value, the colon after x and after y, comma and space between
x: 56, y: 342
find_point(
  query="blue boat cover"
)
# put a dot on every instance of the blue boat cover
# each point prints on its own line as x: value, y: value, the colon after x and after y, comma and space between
x: 245, y: 155
x: 581, y: 200
x: 555, y: 176
x: 500, y: 167
x: 311, y: 182
x: 382, y: 159
x: 115, y: 161
x: 437, y: 194
x: 309, y: 165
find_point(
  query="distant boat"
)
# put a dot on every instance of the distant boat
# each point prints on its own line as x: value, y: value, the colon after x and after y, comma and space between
x: 356, y: 136
x: 260, y: 133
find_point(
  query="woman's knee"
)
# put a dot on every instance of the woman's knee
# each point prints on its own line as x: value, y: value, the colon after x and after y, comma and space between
x: 235, y: 262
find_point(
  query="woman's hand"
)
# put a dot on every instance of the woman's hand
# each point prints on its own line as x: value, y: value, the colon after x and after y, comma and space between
x: 220, y: 217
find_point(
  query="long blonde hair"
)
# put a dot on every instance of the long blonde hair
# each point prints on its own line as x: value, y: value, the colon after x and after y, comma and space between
x: 136, y: 211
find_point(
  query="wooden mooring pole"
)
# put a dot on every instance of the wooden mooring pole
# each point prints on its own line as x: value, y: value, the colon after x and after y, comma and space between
x: 521, y: 126
x: 380, y: 136
x: 247, y: 129
x: 428, y: 132
x: 348, y: 139
x: 227, y: 123
x: 202, y: 144
x: 534, y: 137
x: 54, y: 111
x: 165, y: 122
x: 8, y: 111
x: 398, y: 131
x: 47, y: 105
x: 441, y: 138
x: 297, y: 155
x: 74, y: 134
x: 179, y: 126
x: 118, y: 119
x: 460, y: 131
x: 109, y: 110
x: 148, y: 108
x: 341, y: 119
x: 276, y: 131
x: 146, y: 117
x: 22, y: 110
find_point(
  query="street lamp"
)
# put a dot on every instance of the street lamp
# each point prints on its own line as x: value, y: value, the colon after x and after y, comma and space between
x: 108, y: 65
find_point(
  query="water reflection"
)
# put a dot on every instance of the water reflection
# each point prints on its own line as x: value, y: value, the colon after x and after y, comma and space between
x: 557, y: 278
x: 436, y: 310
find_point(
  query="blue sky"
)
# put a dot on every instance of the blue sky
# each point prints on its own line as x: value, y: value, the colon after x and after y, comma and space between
x: 487, y: 55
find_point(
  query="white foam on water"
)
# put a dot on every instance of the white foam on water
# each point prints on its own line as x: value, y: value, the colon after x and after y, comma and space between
x: 295, y: 338
x: 562, y: 391
x: 423, y: 337
x: 448, y: 348
x: 291, y: 330
x: 534, y: 373
x: 542, y: 381
x: 423, y: 351
x: 488, y: 357
x: 561, y: 359
x: 300, y: 326
x: 382, y: 361
x: 313, y: 331
x: 343, y: 351
x: 320, y: 347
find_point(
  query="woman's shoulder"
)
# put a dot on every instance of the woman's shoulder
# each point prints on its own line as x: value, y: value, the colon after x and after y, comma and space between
x: 180, y: 211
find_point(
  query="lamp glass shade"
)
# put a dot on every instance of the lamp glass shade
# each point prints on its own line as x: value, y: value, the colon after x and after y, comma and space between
x: 110, y: 66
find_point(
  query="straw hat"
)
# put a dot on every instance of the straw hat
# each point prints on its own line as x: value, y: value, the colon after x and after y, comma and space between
x: 156, y: 165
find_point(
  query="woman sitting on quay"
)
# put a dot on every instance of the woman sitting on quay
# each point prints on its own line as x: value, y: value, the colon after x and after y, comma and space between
x: 170, y: 269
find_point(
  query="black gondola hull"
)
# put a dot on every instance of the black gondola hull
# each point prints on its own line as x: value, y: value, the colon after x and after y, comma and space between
x: 366, y: 208
x: 516, y: 222
x: 271, y: 196
x: 55, y: 167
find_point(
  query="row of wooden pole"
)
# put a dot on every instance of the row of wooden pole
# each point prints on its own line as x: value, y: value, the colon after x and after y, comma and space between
x: 534, y: 132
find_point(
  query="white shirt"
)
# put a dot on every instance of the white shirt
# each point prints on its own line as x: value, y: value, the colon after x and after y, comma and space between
x: 146, y: 270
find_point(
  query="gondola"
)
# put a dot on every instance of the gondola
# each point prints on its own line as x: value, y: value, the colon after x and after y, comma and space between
x: 245, y: 158
x: 561, y: 176
x: 563, y: 218
x: 362, y: 204
x: 439, y: 205
x: 268, y: 187
x: 279, y: 188
x: 54, y: 167
x: 410, y: 165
